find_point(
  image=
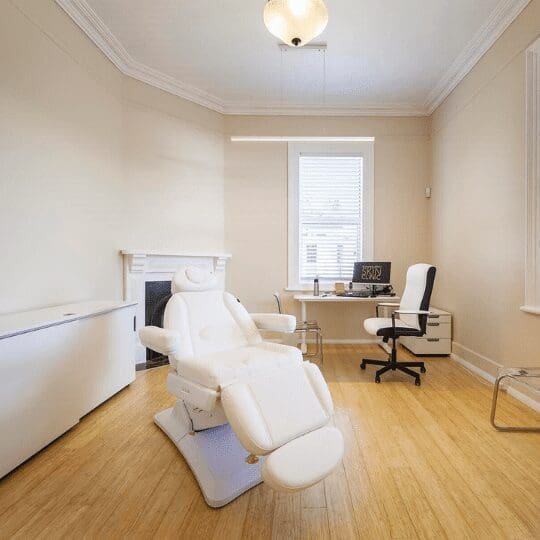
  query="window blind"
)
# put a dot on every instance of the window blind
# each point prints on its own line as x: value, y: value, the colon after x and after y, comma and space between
x: 330, y: 216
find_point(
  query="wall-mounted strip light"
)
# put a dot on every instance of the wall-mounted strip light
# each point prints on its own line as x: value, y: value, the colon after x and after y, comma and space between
x: 255, y: 138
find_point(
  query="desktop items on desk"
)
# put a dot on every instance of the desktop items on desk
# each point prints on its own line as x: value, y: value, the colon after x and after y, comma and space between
x: 376, y: 275
x: 339, y: 288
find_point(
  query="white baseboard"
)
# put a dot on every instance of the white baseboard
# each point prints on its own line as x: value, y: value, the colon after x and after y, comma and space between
x: 351, y: 341
x: 471, y: 367
x: 526, y: 400
x: 485, y: 361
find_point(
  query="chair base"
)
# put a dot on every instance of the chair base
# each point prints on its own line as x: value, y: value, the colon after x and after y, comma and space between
x: 215, y: 456
x: 392, y: 364
x: 519, y: 374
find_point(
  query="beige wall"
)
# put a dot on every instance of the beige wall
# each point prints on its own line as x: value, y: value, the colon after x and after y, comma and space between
x: 174, y: 152
x: 479, y: 202
x: 92, y: 162
x: 256, y: 207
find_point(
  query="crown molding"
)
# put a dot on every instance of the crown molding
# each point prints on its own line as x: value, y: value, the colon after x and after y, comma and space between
x: 499, y: 20
x: 404, y: 109
x: 94, y: 27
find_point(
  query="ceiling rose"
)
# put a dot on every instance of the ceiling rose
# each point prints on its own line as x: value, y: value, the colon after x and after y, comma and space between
x: 295, y: 22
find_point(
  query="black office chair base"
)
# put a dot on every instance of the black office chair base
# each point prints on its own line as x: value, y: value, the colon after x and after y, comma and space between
x: 394, y: 365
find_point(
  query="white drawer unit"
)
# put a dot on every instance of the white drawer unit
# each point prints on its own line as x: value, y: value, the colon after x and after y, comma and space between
x: 438, y: 338
x: 56, y: 365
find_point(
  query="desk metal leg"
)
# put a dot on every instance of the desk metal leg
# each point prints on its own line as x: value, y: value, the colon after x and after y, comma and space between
x: 303, y: 344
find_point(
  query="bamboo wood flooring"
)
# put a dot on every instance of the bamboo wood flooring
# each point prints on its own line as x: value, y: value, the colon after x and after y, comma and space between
x: 420, y: 462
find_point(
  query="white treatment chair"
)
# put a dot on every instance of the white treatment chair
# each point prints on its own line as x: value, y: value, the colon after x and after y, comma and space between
x: 247, y: 410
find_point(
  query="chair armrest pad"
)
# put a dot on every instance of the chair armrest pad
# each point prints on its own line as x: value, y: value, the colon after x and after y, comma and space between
x: 412, y: 312
x: 275, y: 322
x: 160, y: 340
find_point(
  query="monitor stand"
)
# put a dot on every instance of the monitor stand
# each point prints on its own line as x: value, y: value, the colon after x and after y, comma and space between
x: 373, y: 292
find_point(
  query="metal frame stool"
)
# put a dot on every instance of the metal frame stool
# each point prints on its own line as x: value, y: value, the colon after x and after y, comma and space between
x: 305, y: 328
x: 515, y: 373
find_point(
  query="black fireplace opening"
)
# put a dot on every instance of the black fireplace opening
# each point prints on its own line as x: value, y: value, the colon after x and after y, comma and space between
x: 157, y: 294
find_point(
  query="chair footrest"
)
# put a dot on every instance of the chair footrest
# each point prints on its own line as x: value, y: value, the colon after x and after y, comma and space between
x: 304, y: 461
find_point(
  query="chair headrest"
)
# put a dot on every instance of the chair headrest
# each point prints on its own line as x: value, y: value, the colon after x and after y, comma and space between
x: 193, y: 278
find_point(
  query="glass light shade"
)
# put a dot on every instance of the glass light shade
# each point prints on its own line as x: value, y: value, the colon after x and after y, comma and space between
x: 295, y: 22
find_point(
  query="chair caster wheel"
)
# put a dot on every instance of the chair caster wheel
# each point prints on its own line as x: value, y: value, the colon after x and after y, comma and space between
x: 417, y: 382
x: 422, y: 370
x: 377, y: 379
x: 362, y: 366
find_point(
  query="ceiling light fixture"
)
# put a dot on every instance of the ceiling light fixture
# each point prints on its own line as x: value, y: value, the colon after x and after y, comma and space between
x: 295, y: 22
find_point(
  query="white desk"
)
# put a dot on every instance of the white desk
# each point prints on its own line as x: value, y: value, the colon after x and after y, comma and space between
x: 305, y: 299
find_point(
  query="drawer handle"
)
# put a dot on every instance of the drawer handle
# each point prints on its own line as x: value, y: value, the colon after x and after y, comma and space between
x: 433, y: 339
x: 433, y: 324
x: 433, y: 316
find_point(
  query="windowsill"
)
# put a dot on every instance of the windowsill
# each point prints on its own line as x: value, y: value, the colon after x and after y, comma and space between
x: 530, y: 309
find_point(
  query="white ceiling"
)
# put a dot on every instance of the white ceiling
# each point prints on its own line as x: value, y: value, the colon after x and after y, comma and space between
x: 382, y: 56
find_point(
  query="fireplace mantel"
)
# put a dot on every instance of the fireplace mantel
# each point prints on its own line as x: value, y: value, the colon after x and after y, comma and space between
x: 141, y: 266
x: 168, y: 253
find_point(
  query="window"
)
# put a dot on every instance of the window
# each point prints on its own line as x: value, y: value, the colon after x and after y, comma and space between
x: 532, y: 281
x: 330, y: 210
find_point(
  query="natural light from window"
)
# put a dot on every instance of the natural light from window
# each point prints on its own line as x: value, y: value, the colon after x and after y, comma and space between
x: 330, y: 216
x: 330, y: 190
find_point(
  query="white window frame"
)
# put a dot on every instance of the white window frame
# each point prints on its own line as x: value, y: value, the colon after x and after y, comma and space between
x: 364, y: 149
x: 532, y: 277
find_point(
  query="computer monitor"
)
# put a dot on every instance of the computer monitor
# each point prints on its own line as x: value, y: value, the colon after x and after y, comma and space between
x: 372, y: 273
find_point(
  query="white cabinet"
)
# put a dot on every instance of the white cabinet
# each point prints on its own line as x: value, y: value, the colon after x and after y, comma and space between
x: 438, y: 338
x: 107, y: 356
x: 56, y: 365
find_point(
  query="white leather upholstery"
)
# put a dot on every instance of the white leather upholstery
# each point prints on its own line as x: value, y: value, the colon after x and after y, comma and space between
x: 275, y: 322
x: 268, y: 411
x: 208, y: 322
x: 192, y: 278
x: 319, y: 452
x: 160, y: 340
x: 217, y: 369
x: 272, y: 399
x: 415, y: 287
x: 372, y: 326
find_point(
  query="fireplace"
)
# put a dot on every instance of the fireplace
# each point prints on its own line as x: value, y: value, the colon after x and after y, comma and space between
x: 157, y: 294
x: 147, y: 276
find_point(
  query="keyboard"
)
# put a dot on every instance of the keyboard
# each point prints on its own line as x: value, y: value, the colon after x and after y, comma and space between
x: 356, y: 294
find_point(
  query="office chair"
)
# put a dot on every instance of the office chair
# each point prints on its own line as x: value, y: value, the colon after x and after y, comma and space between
x: 412, y: 317
x: 305, y: 328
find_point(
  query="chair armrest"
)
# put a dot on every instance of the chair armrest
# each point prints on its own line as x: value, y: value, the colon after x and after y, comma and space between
x: 160, y: 340
x: 275, y: 322
x: 412, y: 312
x: 384, y: 304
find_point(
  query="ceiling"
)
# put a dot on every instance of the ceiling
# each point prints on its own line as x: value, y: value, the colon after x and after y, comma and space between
x: 382, y: 57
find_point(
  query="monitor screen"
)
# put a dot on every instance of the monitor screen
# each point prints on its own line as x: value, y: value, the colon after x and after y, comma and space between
x: 372, y: 272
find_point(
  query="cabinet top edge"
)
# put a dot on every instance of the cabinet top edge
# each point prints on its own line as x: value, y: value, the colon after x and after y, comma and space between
x: 14, y: 324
